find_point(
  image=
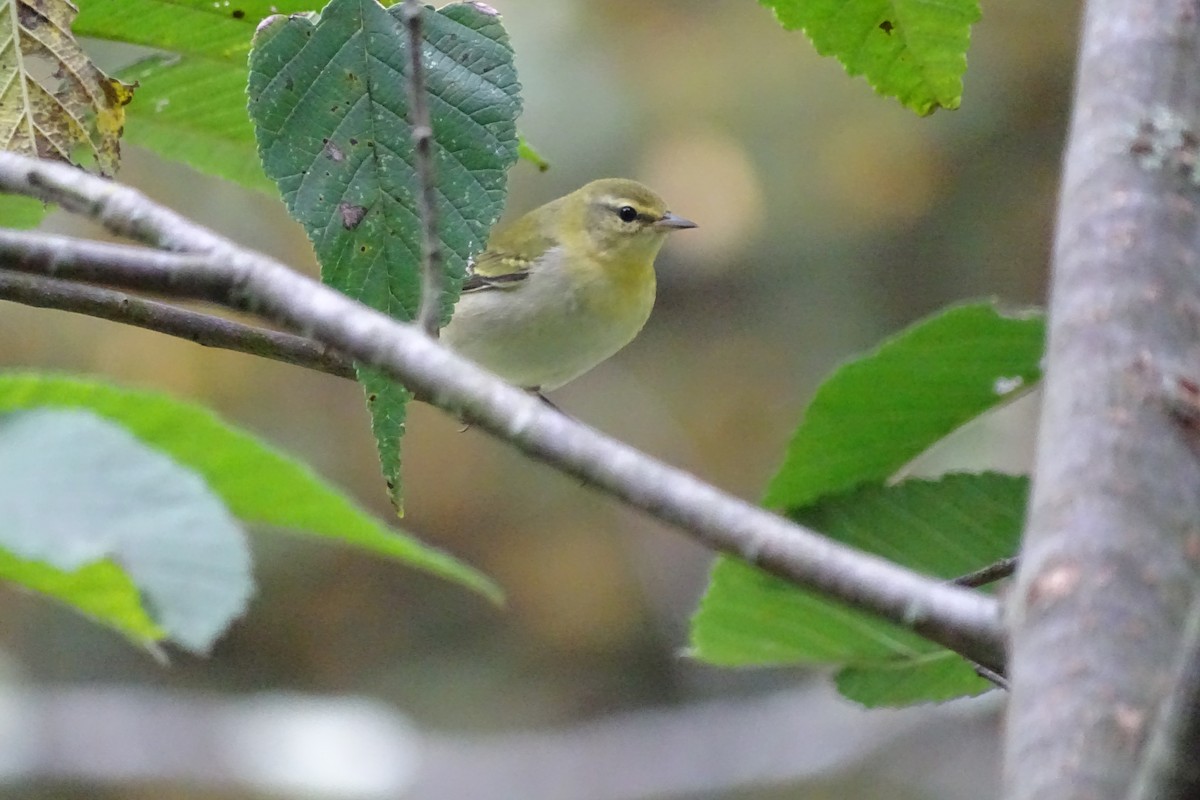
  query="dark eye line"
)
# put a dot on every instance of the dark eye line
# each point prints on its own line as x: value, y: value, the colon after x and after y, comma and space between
x: 639, y: 215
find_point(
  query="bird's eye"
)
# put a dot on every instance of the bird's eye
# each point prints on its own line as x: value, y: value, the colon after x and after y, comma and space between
x: 627, y: 213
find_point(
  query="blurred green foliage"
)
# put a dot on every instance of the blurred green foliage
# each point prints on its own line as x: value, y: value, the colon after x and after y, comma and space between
x: 867, y: 420
x: 945, y: 528
x: 194, y: 572
x: 828, y: 220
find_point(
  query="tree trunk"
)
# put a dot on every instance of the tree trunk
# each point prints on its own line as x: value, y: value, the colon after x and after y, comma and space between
x: 1100, y: 623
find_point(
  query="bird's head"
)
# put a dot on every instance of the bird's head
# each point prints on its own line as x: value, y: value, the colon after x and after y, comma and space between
x: 620, y: 219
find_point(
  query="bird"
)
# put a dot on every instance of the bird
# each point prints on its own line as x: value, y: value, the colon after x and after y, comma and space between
x: 563, y: 287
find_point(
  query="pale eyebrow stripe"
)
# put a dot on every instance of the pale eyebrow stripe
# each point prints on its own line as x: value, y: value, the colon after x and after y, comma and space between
x: 614, y: 203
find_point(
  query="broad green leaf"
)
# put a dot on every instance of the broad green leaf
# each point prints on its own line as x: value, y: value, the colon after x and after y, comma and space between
x: 943, y: 528
x: 211, y: 29
x: 54, y: 102
x: 100, y: 590
x: 328, y: 100
x: 876, y: 413
x: 194, y: 111
x: 258, y: 484
x: 191, y: 105
x: 913, y: 50
x: 932, y: 678
x: 78, y: 490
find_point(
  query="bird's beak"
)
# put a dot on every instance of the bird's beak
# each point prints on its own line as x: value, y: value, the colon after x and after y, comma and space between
x: 673, y: 222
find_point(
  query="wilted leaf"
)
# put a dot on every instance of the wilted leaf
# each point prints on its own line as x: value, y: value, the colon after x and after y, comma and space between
x: 54, y: 102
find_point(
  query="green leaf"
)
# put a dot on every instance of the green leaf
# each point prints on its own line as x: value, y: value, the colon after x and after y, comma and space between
x: 933, y: 678
x: 526, y: 152
x: 913, y: 50
x: 876, y: 413
x: 21, y: 212
x: 191, y: 105
x: 78, y: 490
x: 100, y: 590
x: 258, y: 484
x: 329, y: 104
x: 194, y: 111
x: 215, y: 30
x: 867, y: 420
x: 388, y: 403
x: 943, y: 528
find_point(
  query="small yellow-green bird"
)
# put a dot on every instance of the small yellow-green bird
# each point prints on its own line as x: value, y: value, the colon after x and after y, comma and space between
x: 565, y: 286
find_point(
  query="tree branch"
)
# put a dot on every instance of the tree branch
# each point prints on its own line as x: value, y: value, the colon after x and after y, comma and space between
x: 962, y: 620
x: 203, y: 329
x: 1108, y: 568
x: 433, y: 279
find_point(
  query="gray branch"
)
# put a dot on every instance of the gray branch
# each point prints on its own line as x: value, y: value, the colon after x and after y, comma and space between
x: 1109, y: 565
x: 203, y: 329
x: 960, y: 619
x: 337, y: 747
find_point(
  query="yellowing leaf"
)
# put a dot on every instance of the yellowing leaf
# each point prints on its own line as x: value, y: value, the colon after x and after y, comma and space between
x: 54, y: 102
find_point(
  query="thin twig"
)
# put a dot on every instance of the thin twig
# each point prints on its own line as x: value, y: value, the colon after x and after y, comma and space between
x: 195, y: 326
x: 991, y: 675
x: 433, y: 279
x: 95, y: 262
x: 964, y: 621
x: 993, y: 572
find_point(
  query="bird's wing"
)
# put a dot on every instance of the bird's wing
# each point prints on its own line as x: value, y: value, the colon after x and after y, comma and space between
x: 506, y: 261
x: 495, y: 270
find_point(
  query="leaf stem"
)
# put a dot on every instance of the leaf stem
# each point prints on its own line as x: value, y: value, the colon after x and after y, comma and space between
x: 433, y: 278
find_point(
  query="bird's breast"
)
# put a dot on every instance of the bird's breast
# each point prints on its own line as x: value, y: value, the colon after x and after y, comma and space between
x: 556, y: 324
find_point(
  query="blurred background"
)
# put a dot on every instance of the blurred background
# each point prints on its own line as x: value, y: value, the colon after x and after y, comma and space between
x: 829, y: 218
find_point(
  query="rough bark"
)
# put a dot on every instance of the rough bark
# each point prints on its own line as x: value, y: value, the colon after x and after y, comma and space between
x: 1109, y: 565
